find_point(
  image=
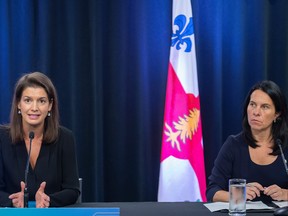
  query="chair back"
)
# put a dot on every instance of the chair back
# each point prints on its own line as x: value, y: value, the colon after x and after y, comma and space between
x: 79, y: 200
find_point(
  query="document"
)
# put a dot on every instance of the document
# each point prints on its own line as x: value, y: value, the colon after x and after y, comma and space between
x: 224, y: 206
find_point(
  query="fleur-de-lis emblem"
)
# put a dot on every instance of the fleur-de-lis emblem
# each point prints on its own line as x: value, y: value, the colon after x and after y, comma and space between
x: 181, y: 35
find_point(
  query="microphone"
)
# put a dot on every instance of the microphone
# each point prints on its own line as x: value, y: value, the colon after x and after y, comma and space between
x: 26, y: 194
x: 279, y: 143
x: 282, y: 210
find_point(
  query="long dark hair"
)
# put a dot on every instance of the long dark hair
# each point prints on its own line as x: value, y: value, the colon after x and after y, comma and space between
x: 51, y: 125
x: 279, y: 128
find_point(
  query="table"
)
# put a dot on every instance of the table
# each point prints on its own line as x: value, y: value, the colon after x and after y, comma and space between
x: 162, y: 209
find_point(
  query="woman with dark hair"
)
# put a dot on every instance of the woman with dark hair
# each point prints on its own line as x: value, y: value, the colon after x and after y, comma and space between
x: 254, y: 154
x: 52, y: 180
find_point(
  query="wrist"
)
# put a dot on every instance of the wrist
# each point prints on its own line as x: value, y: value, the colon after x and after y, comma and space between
x: 285, y: 194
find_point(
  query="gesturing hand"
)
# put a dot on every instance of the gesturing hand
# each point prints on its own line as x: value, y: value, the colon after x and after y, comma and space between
x: 18, y: 198
x: 42, y: 199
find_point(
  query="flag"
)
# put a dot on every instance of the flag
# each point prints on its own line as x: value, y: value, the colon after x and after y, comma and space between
x: 182, y: 171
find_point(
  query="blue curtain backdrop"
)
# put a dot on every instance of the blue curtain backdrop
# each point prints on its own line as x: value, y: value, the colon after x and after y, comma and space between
x: 109, y: 59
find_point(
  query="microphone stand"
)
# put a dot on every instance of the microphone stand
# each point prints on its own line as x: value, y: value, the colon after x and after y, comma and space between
x: 282, y: 155
x: 26, y: 194
x: 282, y: 210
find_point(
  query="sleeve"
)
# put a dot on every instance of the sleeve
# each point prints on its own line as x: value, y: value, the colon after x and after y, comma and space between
x: 4, y: 196
x: 70, y: 184
x: 222, y: 170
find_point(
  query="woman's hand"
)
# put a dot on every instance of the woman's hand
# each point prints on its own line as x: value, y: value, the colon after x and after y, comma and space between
x: 276, y: 193
x: 253, y: 190
x: 18, y: 198
x: 42, y: 199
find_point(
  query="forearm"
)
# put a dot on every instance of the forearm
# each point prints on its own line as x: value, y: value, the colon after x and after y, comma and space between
x: 4, y: 200
x: 64, y: 198
x: 221, y: 196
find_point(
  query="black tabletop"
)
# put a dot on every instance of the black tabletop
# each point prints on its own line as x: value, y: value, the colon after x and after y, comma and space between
x: 163, y: 208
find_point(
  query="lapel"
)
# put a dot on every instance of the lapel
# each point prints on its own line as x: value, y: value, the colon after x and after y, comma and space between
x: 42, y: 164
x: 21, y: 157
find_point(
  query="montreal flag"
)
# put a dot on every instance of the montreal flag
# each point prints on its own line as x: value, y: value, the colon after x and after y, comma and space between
x: 182, y: 171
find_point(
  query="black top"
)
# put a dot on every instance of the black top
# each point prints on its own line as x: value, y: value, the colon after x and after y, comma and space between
x: 56, y: 164
x: 233, y: 161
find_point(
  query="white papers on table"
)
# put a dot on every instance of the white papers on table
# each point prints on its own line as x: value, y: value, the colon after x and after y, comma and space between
x: 218, y: 206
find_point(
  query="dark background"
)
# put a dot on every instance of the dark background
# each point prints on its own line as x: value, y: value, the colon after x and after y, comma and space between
x: 108, y: 60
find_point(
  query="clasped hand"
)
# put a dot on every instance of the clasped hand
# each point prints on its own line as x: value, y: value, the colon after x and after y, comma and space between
x: 42, y: 199
x: 254, y: 189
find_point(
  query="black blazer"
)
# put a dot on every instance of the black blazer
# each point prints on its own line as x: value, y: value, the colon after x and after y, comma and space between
x: 56, y: 164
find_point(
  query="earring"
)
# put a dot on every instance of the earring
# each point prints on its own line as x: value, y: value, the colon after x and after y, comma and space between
x: 19, y: 111
x: 274, y: 120
x: 49, y: 114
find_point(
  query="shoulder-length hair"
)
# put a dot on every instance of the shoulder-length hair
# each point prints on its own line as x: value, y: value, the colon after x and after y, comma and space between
x: 51, y: 124
x: 279, y: 128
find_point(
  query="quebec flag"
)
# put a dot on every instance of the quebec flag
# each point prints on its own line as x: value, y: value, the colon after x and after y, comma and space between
x: 182, y: 170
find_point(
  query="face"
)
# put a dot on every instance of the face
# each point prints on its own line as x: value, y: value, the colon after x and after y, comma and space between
x: 34, y: 105
x: 261, y: 112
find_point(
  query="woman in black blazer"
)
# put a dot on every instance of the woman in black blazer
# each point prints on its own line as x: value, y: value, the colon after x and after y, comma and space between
x: 52, y: 177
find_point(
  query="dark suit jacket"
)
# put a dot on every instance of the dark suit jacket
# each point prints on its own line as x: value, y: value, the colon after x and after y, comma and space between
x: 56, y: 164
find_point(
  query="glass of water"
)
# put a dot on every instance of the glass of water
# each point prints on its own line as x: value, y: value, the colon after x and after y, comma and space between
x: 237, y: 197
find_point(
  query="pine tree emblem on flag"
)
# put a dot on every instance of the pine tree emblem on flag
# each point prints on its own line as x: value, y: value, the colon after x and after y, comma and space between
x: 182, y: 170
